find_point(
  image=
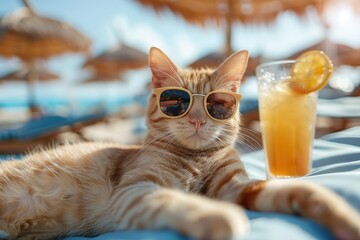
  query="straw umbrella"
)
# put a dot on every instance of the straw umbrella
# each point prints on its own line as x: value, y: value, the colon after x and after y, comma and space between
x: 29, y: 36
x: 23, y: 74
x: 111, y: 63
x: 228, y: 11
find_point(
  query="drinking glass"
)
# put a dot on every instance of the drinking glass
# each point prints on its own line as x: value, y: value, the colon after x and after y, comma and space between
x: 287, y: 120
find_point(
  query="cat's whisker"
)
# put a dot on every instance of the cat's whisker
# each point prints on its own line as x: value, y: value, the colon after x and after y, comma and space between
x: 251, y: 141
x: 245, y: 134
x: 246, y: 146
x: 218, y: 139
x: 224, y: 135
x: 243, y: 128
x: 215, y: 142
x: 245, y: 141
x: 228, y: 132
x: 253, y: 135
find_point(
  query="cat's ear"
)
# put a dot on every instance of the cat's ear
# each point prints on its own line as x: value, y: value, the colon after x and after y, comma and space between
x: 164, y: 71
x: 229, y: 74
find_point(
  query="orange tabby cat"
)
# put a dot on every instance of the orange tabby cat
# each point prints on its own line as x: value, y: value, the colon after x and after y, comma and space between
x: 187, y: 176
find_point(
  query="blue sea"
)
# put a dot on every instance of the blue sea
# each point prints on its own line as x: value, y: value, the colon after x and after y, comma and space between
x: 85, y: 105
x: 75, y: 106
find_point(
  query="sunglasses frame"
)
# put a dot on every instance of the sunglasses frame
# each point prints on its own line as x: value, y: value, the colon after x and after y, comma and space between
x: 159, y: 91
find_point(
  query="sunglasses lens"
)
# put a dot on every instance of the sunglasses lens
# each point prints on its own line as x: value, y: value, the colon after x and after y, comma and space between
x: 174, y: 102
x: 221, y: 105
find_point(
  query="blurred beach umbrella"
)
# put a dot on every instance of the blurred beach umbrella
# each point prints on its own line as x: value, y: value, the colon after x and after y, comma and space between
x: 106, y: 84
x: 111, y: 63
x: 339, y: 54
x: 228, y: 11
x: 27, y: 35
x: 101, y: 78
x: 24, y: 74
x: 213, y: 60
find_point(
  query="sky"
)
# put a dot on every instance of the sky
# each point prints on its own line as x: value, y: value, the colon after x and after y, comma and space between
x: 110, y: 22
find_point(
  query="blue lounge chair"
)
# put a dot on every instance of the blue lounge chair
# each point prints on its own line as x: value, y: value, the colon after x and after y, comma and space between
x: 21, y: 137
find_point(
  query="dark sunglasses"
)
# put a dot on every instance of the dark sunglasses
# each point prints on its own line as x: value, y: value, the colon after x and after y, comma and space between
x: 175, y: 102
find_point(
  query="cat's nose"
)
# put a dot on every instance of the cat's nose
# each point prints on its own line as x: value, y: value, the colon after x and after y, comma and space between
x: 197, y: 123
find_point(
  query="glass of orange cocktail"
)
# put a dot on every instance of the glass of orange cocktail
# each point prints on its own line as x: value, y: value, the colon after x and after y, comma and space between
x: 287, y: 105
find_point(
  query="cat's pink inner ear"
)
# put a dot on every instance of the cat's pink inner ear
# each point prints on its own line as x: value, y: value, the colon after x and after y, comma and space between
x: 164, y: 71
x: 230, y: 72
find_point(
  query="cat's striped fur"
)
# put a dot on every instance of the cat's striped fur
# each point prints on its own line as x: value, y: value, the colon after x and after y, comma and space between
x: 182, y: 178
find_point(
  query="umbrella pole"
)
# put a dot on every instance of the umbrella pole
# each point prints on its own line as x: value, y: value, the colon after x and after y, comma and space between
x: 228, y: 19
x: 31, y: 80
x: 28, y: 5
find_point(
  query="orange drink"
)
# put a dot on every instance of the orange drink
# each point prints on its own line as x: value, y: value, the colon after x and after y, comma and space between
x: 288, y: 122
x: 287, y: 105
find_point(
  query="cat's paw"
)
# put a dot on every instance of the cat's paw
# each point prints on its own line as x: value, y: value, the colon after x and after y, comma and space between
x: 334, y: 212
x: 221, y: 221
x: 314, y: 202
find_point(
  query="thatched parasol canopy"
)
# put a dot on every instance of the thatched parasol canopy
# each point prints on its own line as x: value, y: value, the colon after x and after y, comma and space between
x: 112, y: 62
x: 213, y: 60
x: 245, y: 11
x: 340, y: 54
x: 228, y: 11
x: 101, y: 78
x: 24, y: 74
x: 27, y: 35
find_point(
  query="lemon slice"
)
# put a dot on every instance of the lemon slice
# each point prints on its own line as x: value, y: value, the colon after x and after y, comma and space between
x: 311, y: 72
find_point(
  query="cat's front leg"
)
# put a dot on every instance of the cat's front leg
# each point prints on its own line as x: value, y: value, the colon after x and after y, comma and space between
x: 147, y: 206
x: 293, y: 197
x: 306, y: 199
